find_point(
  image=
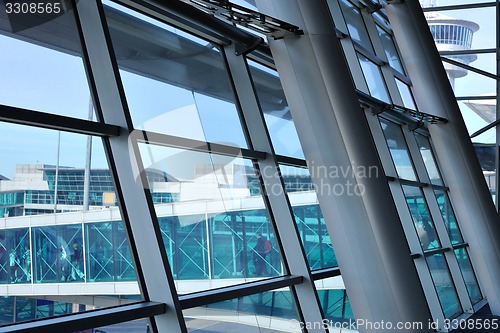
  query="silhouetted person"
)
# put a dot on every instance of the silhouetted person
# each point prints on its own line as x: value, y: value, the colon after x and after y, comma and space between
x: 259, y: 255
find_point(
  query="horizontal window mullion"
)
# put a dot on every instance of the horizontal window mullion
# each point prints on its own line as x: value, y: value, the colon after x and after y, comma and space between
x: 196, y: 145
x: 56, y: 122
x: 246, y: 289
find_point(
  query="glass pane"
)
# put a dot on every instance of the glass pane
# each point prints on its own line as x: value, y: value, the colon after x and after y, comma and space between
x: 399, y: 150
x: 444, y: 286
x: 107, y: 253
x: 449, y: 217
x: 15, y: 256
x: 406, y: 95
x: 272, y: 312
x: 336, y: 304
x: 483, y: 61
x: 427, y: 154
x: 276, y: 111
x: 134, y: 326
x: 421, y: 218
x: 215, y: 225
x: 16, y: 309
x: 41, y: 65
x: 468, y: 275
x: 355, y: 24
x: 390, y: 49
x: 60, y: 184
x: 309, y: 218
x: 374, y: 79
x: 175, y: 83
x: 474, y: 84
x: 59, y: 254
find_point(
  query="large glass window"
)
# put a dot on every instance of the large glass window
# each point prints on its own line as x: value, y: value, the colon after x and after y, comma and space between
x: 468, y: 275
x: 355, y: 24
x: 309, y: 218
x: 424, y: 146
x: 175, y: 83
x: 444, y: 285
x: 271, y: 311
x: 41, y: 64
x: 422, y: 220
x: 216, y: 225
x: 390, y: 49
x: 374, y: 79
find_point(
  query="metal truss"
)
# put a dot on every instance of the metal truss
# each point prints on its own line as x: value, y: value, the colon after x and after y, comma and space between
x: 247, y: 18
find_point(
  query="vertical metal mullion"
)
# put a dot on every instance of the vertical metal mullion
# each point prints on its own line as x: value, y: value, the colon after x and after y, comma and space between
x: 497, y: 146
x: 306, y: 299
x: 155, y: 278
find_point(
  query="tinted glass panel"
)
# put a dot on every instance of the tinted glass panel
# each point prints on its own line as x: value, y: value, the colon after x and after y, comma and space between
x: 390, y: 49
x: 309, y: 218
x: 355, y: 24
x: 421, y: 218
x: 276, y: 111
x: 272, y: 312
x: 427, y: 154
x: 214, y: 223
x: 41, y: 64
x: 468, y: 275
x: 406, y: 95
x: 449, y: 217
x: 444, y: 286
x: 374, y: 79
x: 399, y: 150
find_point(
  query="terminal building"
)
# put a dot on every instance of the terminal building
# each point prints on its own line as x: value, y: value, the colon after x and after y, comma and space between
x: 267, y: 166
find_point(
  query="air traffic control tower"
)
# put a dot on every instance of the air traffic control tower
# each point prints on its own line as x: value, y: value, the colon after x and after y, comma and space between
x: 451, y: 34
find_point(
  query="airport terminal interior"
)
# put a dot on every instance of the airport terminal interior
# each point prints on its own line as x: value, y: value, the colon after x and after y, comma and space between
x: 249, y: 165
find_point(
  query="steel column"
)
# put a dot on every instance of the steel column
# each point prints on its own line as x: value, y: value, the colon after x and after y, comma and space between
x: 459, y: 164
x: 366, y: 232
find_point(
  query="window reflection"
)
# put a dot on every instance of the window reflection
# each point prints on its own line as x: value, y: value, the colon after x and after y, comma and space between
x: 406, y: 95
